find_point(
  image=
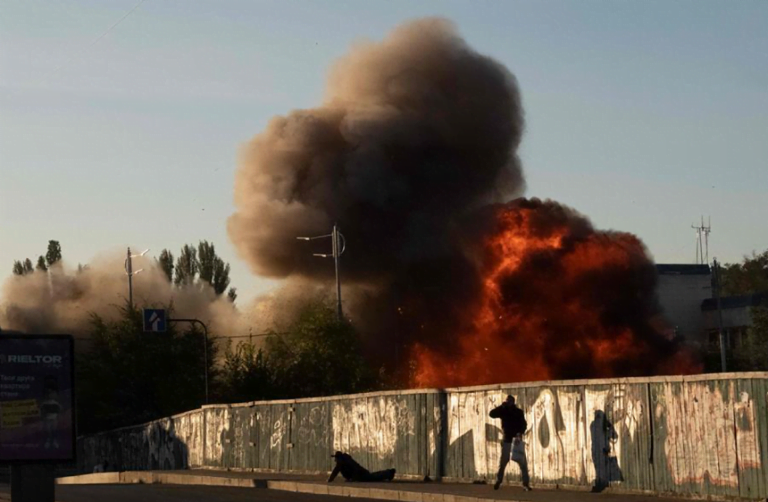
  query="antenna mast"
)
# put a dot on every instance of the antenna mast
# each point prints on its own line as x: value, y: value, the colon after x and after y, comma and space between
x: 702, y: 240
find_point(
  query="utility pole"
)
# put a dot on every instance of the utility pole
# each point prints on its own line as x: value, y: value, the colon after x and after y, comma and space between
x: 339, y: 245
x: 717, y: 281
x: 130, y: 273
x: 336, y: 255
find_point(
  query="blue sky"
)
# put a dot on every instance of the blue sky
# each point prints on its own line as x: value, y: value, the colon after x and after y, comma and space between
x: 642, y: 115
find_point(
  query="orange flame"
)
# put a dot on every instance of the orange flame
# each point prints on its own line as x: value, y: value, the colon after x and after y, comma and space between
x: 559, y: 300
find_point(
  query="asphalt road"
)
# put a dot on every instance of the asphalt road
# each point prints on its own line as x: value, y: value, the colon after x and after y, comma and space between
x: 177, y: 493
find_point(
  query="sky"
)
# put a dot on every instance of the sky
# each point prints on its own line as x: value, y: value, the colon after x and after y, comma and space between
x: 642, y: 115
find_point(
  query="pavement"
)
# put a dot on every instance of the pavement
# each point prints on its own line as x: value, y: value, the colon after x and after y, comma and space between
x: 301, y: 485
x: 177, y: 493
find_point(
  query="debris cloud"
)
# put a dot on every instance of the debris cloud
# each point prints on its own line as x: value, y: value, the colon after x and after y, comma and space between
x: 414, y: 154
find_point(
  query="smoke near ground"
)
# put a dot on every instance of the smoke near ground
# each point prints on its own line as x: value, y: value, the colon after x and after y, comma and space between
x: 416, y: 139
x: 63, y: 301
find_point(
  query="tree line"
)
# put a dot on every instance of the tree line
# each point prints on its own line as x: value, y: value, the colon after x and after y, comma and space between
x: 52, y: 257
x: 125, y: 376
x: 748, y: 277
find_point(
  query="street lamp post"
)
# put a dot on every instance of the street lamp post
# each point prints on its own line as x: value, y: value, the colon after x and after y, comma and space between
x: 339, y: 245
x: 130, y: 272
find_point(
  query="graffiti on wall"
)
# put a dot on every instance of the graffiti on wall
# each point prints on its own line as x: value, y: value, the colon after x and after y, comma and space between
x: 699, y: 427
x: 372, y: 424
x: 663, y: 436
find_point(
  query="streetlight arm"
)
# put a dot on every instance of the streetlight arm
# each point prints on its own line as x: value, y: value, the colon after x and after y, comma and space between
x: 313, y: 238
x: 140, y: 254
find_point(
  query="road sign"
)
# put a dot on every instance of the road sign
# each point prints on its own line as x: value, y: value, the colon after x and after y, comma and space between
x: 155, y: 320
x: 37, y: 416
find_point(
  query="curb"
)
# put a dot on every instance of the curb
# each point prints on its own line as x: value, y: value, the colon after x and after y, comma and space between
x: 145, y: 477
x: 376, y: 493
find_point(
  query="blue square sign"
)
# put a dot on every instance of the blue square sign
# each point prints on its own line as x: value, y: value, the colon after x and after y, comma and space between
x: 155, y: 320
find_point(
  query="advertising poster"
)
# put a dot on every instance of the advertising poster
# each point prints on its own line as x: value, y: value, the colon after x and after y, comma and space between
x: 36, y: 398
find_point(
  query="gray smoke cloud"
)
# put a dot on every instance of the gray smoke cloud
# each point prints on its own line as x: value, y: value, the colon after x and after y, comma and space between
x: 415, y: 133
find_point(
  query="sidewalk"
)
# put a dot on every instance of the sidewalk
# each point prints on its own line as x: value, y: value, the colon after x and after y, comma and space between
x: 414, y: 491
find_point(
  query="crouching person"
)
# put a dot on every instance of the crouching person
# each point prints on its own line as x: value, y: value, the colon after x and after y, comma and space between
x: 352, y: 471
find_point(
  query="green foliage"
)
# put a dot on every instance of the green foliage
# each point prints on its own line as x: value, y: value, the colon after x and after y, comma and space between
x: 206, y: 256
x: 318, y: 355
x: 186, y: 266
x: 23, y: 267
x: 220, y: 276
x: 245, y: 375
x: 166, y: 263
x: 127, y: 377
x: 748, y: 277
x: 752, y: 355
x: 212, y: 269
x: 200, y: 265
x: 41, y: 266
x: 232, y: 294
x: 53, y: 255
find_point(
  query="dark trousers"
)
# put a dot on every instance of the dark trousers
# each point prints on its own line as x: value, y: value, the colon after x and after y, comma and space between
x: 372, y: 476
x: 506, y: 452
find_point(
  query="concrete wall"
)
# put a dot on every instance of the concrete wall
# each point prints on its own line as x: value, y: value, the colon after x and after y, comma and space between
x: 692, y: 436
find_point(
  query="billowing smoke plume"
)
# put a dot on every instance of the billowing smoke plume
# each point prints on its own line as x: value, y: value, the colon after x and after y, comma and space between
x: 416, y: 138
x: 61, y: 301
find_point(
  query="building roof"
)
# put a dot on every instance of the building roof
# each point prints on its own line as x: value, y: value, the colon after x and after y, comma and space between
x: 682, y: 269
x: 735, y: 302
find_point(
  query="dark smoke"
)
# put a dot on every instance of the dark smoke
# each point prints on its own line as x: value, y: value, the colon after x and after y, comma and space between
x: 416, y: 139
x: 415, y: 132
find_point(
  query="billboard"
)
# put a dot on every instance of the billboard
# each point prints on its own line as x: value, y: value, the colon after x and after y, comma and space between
x: 37, y: 398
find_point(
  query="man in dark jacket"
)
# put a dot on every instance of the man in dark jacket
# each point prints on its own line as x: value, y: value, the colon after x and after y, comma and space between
x: 352, y: 471
x: 514, y: 425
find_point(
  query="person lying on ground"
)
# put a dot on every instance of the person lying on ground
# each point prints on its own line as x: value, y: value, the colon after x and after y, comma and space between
x: 352, y: 471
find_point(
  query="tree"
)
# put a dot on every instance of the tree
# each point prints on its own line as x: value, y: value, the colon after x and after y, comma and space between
x: 206, y: 256
x: 166, y: 263
x: 53, y: 255
x: 220, y: 276
x: 186, y: 266
x: 232, y: 294
x: 245, y: 375
x: 127, y: 377
x: 23, y: 268
x: 41, y: 266
x: 318, y: 355
x: 748, y: 277
x: 18, y: 268
x: 750, y: 356
x: 212, y: 269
